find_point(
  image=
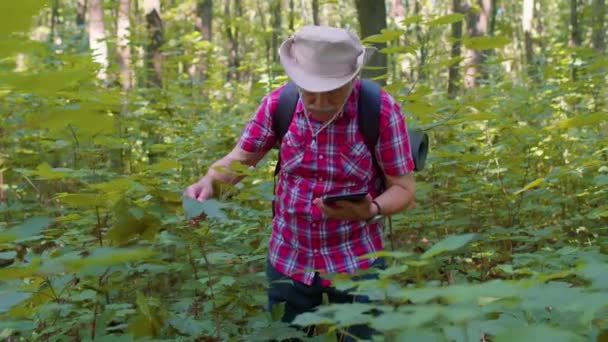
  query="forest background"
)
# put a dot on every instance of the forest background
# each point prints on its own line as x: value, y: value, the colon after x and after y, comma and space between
x: 111, y: 108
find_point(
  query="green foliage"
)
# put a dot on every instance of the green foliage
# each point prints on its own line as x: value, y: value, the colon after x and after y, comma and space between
x: 508, y: 242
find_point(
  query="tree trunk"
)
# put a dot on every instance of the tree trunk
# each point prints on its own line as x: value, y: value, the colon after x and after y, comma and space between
x: 154, y: 58
x: 477, y: 25
x: 97, y: 38
x: 81, y: 10
x: 492, y: 10
x: 276, y: 29
x: 453, y: 74
x: 204, y: 24
x: 232, y: 31
x: 526, y: 23
x: 315, y: 12
x: 122, y: 44
x: 423, y: 42
x: 372, y: 19
x: 398, y: 10
x: 599, y: 29
x: 292, y: 16
x: 54, y: 36
x: 204, y: 17
x: 575, y: 33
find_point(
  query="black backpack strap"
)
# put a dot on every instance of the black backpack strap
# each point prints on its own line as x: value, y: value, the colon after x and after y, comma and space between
x: 368, y: 116
x: 281, y: 118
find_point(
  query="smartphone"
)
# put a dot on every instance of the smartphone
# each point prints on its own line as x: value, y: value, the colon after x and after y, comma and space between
x: 344, y: 197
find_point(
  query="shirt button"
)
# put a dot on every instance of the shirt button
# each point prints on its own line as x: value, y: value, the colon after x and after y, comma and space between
x: 315, y: 251
x: 320, y: 179
x: 321, y: 157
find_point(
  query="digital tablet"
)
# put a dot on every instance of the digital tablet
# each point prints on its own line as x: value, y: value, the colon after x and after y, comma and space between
x: 344, y: 197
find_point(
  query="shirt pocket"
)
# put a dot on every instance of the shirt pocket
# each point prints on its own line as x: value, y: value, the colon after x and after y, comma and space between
x: 292, y: 152
x: 355, y: 164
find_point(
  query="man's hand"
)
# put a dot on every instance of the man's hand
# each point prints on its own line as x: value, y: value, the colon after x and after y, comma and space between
x: 348, y: 210
x: 201, y: 190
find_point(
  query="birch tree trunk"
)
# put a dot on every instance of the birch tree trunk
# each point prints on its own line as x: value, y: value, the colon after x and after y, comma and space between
x: 97, y: 38
x: 123, y: 24
x: 526, y: 23
x: 477, y: 25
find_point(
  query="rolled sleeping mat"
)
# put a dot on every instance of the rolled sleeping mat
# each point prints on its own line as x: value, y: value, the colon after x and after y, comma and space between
x: 419, y: 145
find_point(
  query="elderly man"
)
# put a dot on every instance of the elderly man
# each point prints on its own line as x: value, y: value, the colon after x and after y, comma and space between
x: 323, y: 153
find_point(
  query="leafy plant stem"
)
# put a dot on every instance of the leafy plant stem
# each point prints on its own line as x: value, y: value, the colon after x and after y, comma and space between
x: 94, y: 324
x: 211, y: 294
x: 98, y: 228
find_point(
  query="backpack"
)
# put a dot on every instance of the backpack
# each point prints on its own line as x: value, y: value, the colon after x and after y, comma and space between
x: 368, y: 120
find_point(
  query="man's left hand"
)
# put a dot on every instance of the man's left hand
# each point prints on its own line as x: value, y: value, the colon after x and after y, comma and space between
x: 348, y: 210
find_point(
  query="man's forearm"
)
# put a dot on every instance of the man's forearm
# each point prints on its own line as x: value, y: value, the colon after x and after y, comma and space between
x: 397, y: 196
x: 221, y: 170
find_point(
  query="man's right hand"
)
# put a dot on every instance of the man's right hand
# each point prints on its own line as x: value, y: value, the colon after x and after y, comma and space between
x: 200, y: 191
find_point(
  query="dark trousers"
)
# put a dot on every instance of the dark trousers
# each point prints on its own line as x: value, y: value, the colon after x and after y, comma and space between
x: 299, y: 298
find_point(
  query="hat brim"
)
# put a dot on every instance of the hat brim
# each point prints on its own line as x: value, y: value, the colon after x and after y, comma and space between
x: 318, y: 83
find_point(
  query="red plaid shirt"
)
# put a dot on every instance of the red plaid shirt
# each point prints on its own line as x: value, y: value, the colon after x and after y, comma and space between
x: 304, y: 240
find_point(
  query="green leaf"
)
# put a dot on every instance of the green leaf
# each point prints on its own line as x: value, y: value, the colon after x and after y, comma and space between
x: 108, y: 256
x: 418, y: 336
x: 17, y: 15
x: 44, y: 171
x: 412, y: 19
x: 419, y: 108
x: 386, y: 35
x: 450, y: 243
x: 8, y: 255
x: 583, y: 120
x: 485, y: 42
x: 310, y: 318
x: 446, y: 19
x: 12, y: 298
x: 191, y: 327
x: 80, y: 120
x: 84, y: 295
x: 82, y: 200
x: 386, y: 253
x: 164, y: 165
x: 537, y: 333
x: 210, y: 207
x: 597, y: 273
x: 31, y: 227
x: 16, y: 325
x: 131, y: 222
x: 47, y: 83
x: 534, y: 184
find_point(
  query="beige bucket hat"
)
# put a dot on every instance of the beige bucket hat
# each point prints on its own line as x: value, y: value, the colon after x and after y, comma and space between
x: 323, y: 58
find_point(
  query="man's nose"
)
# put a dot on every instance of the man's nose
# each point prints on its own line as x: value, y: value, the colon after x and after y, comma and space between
x: 320, y: 100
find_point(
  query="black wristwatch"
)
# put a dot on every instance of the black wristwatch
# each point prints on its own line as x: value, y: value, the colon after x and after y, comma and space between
x: 378, y: 216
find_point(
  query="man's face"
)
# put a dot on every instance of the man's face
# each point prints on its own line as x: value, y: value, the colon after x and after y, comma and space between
x: 324, y: 105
